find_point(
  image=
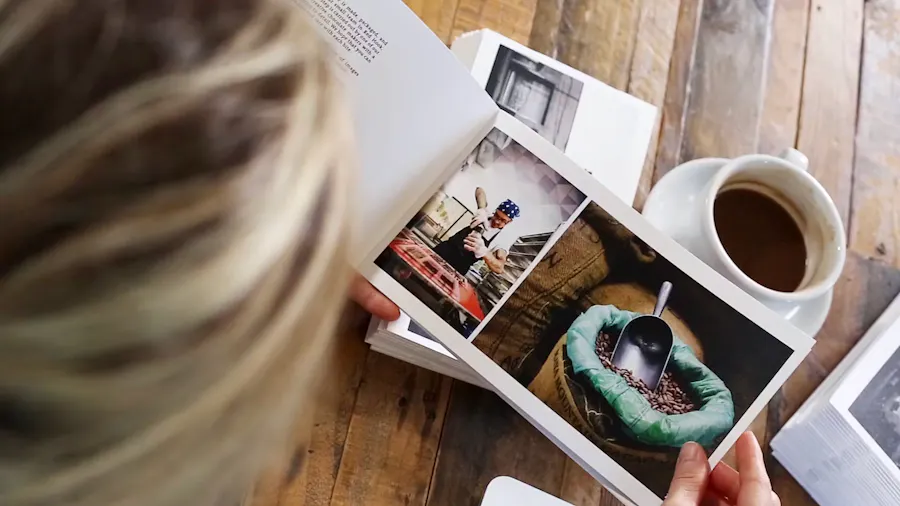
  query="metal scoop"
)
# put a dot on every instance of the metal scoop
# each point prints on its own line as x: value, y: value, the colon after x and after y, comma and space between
x: 645, y: 343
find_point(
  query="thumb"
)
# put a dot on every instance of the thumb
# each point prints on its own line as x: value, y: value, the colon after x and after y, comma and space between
x: 691, y: 473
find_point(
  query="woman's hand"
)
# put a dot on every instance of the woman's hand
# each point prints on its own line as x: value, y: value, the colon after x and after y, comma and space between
x: 370, y: 299
x: 694, y: 485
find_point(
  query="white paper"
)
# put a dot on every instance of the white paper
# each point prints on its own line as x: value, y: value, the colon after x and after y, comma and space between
x: 415, y: 109
x: 610, y: 130
x: 880, y: 355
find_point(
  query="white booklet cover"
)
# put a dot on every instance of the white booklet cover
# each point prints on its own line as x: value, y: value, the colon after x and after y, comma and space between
x: 568, y: 262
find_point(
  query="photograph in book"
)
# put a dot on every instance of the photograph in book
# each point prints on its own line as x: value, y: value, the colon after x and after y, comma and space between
x: 877, y: 408
x: 572, y: 344
x: 543, y: 98
x: 475, y: 237
x: 577, y: 335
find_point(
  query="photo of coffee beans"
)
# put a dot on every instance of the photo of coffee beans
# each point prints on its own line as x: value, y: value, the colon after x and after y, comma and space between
x: 669, y: 398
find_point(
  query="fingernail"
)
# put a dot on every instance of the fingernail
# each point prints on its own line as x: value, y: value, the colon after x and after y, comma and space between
x: 691, y: 452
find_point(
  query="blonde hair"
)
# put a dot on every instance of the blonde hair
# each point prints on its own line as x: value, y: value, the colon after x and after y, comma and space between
x: 172, y: 205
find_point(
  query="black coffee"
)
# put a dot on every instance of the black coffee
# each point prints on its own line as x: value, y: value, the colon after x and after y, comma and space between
x: 761, y: 238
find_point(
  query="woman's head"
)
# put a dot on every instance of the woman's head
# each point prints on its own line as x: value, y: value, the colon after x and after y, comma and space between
x: 172, y: 203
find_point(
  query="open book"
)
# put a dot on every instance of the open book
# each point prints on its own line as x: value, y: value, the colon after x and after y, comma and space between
x: 545, y: 95
x: 579, y: 266
x: 843, y: 444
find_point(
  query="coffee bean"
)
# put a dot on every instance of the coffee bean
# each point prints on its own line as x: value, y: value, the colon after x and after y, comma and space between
x: 669, y: 398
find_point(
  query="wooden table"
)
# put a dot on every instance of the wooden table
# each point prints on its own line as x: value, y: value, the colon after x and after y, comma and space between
x: 729, y: 77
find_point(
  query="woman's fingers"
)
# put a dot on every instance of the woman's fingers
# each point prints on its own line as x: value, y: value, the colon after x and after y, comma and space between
x: 726, y: 481
x: 756, y: 489
x: 689, y: 483
x: 775, y: 499
x: 373, y: 301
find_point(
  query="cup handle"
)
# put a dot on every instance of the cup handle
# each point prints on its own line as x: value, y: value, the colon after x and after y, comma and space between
x: 795, y: 158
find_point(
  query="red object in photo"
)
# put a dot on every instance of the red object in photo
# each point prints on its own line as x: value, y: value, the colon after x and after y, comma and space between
x: 437, y: 273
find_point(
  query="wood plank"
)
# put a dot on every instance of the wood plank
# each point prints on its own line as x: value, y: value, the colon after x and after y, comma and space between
x: 875, y: 217
x: 828, y: 112
x: 787, y: 52
x: 649, y: 73
x: 728, y: 79
x: 595, y: 37
x: 865, y: 289
x: 437, y: 14
x: 394, y: 433
x: 580, y: 489
x: 512, y: 18
x: 308, y: 477
x: 547, y: 27
x: 675, y: 104
x: 484, y: 438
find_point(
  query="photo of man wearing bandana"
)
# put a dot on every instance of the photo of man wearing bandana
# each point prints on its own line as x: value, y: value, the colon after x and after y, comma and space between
x: 477, y: 241
x: 472, y: 241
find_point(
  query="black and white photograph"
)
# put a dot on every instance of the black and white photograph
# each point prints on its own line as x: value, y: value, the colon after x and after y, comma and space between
x: 877, y: 408
x: 541, y: 97
x: 475, y: 237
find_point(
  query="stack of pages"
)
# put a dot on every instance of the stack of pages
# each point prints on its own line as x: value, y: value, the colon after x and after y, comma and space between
x: 843, y: 444
x: 548, y: 97
x: 495, y: 212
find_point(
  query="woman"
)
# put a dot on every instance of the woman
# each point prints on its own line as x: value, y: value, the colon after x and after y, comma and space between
x: 173, y: 208
x: 173, y: 192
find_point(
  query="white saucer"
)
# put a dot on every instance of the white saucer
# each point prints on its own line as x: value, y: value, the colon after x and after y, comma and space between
x: 678, y: 190
x: 503, y: 491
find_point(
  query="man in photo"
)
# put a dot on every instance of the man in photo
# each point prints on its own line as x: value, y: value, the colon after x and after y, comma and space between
x: 479, y: 241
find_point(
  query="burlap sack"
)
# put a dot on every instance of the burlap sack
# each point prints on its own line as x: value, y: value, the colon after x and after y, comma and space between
x: 580, y: 260
x: 556, y: 385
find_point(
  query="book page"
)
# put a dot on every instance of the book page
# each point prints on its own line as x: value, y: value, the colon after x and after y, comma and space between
x: 530, y: 272
x: 602, y: 129
x: 868, y: 398
x: 416, y: 109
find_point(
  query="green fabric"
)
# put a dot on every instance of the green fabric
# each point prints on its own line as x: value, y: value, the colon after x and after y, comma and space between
x: 714, y: 418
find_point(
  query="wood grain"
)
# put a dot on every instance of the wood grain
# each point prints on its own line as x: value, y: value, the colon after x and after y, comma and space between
x: 393, y: 436
x: 865, y: 289
x: 308, y: 477
x: 727, y: 80
x: 875, y: 217
x: 512, y: 18
x: 787, y: 52
x: 595, y: 37
x: 547, y: 27
x: 671, y: 132
x: 580, y: 489
x: 484, y: 438
x: 437, y: 14
x: 649, y: 73
x: 828, y: 112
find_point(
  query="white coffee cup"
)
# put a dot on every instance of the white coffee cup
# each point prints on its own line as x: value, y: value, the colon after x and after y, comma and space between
x: 785, y: 180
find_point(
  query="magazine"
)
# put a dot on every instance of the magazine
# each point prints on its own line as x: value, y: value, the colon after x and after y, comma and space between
x: 843, y: 444
x: 566, y: 267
